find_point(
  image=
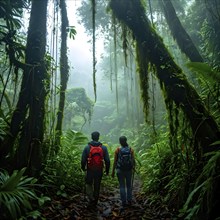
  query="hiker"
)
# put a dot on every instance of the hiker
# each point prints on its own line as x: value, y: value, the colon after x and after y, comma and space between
x: 92, y: 162
x: 124, y: 164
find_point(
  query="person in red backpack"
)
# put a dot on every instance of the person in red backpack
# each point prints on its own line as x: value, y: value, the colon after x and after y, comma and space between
x: 95, y: 158
x: 124, y: 164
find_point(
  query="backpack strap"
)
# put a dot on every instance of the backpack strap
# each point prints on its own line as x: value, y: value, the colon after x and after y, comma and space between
x: 117, y: 151
x: 90, y: 145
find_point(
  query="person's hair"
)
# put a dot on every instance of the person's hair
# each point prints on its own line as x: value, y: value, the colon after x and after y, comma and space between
x: 123, y: 141
x: 95, y: 136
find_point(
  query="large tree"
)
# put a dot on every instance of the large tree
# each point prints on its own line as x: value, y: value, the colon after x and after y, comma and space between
x: 28, y: 117
x: 172, y: 79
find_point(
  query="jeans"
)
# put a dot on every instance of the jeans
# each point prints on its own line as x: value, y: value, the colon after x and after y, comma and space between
x: 93, y: 182
x: 125, y: 185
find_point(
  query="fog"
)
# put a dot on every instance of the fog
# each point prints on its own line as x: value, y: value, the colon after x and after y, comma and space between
x: 80, y: 54
x: 118, y: 109
x: 81, y: 75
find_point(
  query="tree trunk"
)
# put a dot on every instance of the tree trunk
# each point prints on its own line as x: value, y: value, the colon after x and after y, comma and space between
x: 29, y: 152
x: 184, y: 41
x: 28, y: 117
x: 178, y: 89
x: 64, y: 73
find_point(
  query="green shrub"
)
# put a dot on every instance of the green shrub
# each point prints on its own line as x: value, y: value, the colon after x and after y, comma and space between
x: 63, y: 171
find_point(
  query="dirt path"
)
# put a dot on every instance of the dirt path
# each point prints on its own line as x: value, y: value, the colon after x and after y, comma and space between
x: 108, y: 208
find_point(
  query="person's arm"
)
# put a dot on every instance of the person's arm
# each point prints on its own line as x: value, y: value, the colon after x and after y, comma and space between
x: 106, y: 159
x: 133, y: 156
x: 84, y: 158
x: 115, y: 161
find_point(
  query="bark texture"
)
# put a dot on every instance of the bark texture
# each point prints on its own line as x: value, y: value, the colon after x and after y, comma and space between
x: 27, y: 124
x: 33, y: 132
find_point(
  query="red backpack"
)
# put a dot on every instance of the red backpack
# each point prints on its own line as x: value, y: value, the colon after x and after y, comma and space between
x: 95, y: 159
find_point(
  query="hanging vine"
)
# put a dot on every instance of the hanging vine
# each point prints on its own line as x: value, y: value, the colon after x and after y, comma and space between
x: 111, y: 71
x: 115, y: 59
x: 94, y: 46
x: 143, y: 74
x: 126, y: 73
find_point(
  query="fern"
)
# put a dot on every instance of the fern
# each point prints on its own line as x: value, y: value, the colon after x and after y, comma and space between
x: 205, y: 70
x: 203, y: 190
x: 65, y: 169
x: 16, y: 193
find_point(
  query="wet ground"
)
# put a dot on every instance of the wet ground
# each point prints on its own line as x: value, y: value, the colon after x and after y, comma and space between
x: 108, y: 208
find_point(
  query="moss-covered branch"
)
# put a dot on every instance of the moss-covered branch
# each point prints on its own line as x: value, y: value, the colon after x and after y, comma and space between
x: 177, y: 87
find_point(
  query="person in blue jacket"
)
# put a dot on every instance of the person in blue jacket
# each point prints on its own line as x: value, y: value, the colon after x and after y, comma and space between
x: 125, y: 173
x: 94, y: 174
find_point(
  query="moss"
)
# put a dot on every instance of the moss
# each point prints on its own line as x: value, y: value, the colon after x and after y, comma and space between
x: 142, y: 63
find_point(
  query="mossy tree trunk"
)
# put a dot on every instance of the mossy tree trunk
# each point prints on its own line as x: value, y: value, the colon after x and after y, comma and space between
x: 171, y: 77
x: 64, y: 73
x: 27, y: 124
x: 30, y: 149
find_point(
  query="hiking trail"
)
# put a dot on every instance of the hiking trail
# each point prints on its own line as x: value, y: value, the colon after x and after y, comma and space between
x: 108, y: 208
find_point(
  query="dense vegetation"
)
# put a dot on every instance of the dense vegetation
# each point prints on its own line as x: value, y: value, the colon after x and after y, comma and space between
x: 157, y: 83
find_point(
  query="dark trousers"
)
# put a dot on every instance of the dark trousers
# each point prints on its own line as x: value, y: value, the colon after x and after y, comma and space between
x: 125, y: 185
x: 93, y: 182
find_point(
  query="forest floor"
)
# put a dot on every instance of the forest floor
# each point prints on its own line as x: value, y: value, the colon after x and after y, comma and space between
x: 109, y: 207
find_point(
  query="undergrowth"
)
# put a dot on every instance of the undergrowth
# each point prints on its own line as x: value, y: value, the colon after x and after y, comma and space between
x: 178, y: 182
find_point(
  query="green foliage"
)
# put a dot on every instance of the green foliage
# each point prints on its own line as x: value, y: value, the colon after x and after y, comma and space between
x: 64, y: 170
x: 165, y: 177
x: 78, y: 106
x: 210, y: 30
x: 203, y: 200
x: 102, y: 18
x: 3, y: 127
x: 202, y: 22
x: 208, y: 79
x: 16, y: 194
x: 12, y: 12
x: 165, y: 173
x: 72, y: 32
x: 204, y: 70
x: 152, y: 161
x: 10, y: 22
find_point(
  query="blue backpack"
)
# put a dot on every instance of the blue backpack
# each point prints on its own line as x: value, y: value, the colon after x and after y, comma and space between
x: 125, y: 159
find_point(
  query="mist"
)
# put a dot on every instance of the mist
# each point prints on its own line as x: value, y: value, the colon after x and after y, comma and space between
x: 110, y: 115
